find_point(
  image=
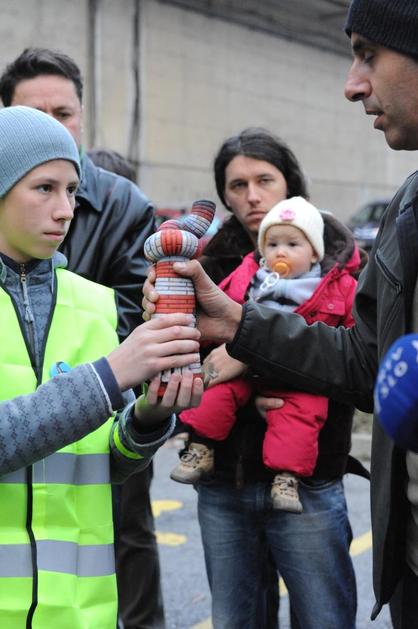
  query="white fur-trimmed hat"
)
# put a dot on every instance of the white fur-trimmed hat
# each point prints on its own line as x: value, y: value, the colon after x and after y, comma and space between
x: 298, y: 212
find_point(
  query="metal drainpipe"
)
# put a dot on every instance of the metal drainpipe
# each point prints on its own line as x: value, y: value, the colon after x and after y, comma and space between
x: 92, y: 71
x: 133, y: 152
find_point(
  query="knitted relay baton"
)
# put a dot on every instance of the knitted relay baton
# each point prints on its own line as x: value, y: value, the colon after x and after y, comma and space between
x: 177, y: 241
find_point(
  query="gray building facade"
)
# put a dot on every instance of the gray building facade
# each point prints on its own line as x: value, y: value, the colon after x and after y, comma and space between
x: 167, y: 81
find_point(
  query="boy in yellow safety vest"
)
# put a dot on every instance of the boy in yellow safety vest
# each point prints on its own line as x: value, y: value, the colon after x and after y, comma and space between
x: 62, y: 439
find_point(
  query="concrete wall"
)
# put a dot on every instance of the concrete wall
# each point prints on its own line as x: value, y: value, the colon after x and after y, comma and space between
x: 200, y: 80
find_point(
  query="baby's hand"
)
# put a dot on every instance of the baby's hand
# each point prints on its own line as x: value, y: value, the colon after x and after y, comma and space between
x: 219, y: 366
x: 264, y: 404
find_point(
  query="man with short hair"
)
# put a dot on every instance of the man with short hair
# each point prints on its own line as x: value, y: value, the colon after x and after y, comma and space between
x: 113, y: 218
x: 338, y: 362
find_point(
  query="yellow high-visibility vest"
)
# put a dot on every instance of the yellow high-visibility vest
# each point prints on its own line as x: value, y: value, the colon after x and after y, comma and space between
x: 56, y: 530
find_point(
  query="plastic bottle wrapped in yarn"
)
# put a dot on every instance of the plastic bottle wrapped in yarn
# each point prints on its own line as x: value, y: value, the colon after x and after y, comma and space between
x: 178, y: 241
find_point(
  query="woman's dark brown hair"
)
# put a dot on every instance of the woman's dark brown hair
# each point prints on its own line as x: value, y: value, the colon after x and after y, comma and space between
x: 260, y: 144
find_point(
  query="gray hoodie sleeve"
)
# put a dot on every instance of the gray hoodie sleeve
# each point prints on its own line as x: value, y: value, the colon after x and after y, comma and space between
x: 62, y: 410
x: 131, y: 450
x: 67, y: 408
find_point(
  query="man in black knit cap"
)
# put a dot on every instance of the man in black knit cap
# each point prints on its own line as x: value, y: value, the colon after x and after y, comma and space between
x: 384, y: 77
x: 342, y: 363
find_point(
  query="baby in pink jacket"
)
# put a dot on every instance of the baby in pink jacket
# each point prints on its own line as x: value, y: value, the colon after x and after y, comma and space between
x: 288, y: 277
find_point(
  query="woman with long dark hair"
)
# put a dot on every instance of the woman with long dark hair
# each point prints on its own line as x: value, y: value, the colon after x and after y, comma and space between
x: 242, y: 535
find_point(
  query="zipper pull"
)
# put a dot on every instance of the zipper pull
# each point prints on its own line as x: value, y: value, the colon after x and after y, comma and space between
x: 28, y: 312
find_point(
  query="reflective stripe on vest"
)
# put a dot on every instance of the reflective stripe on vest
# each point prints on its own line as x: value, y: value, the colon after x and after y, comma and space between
x: 67, y: 557
x: 63, y: 467
x: 71, y: 508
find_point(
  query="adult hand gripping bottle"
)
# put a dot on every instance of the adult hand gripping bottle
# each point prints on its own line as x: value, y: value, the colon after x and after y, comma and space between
x: 178, y: 241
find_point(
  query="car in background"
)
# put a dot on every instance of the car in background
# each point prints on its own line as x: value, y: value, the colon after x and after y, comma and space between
x: 365, y: 223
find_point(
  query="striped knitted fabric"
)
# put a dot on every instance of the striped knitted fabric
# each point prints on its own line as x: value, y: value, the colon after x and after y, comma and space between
x: 177, y: 241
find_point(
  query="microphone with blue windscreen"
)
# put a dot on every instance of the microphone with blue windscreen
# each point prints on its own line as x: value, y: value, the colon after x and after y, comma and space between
x: 396, y: 392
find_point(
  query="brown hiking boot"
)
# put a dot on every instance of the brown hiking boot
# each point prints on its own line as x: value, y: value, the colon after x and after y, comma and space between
x: 196, y: 461
x: 284, y: 493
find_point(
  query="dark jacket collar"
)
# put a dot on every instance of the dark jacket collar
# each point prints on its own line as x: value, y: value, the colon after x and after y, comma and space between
x: 89, y: 190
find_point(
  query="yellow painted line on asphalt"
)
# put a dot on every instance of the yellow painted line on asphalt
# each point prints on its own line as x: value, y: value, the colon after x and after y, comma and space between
x: 206, y: 624
x: 167, y: 539
x: 159, y: 506
x: 359, y: 545
x: 282, y: 588
x: 170, y: 539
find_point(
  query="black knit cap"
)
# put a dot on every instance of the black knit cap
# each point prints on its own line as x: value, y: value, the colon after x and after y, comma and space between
x: 390, y: 23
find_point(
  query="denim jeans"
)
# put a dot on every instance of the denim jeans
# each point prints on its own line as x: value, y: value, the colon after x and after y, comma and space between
x: 310, y: 550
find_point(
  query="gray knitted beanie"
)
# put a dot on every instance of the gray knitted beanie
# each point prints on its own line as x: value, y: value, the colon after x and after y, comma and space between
x: 390, y: 23
x: 29, y: 138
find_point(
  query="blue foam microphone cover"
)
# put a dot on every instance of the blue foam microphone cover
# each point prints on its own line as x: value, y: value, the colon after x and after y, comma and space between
x: 396, y: 392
